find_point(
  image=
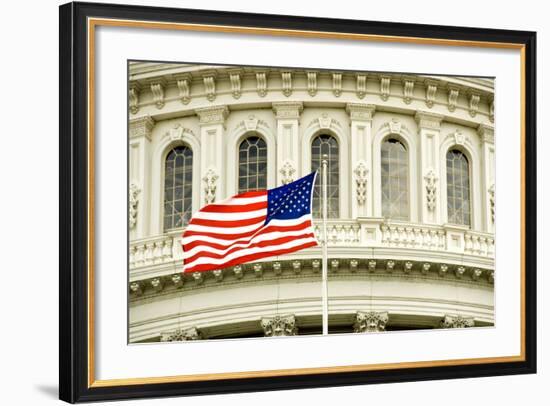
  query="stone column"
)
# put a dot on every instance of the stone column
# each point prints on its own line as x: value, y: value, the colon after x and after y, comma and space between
x: 487, y: 138
x: 368, y: 322
x: 279, y: 326
x: 450, y: 321
x: 429, y: 125
x: 361, y: 163
x: 288, y: 141
x: 189, y: 334
x: 213, y: 156
x: 139, y: 180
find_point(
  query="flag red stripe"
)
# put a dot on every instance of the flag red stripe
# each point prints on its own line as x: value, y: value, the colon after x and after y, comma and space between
x: 259, y: 244
x: 251, y: 257
x: 251, y: 193
x: 227, y: 208
x: 227, y: 223
x: 300, y: 226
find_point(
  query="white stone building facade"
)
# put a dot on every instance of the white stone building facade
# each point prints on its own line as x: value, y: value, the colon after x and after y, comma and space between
x: 411, y: 235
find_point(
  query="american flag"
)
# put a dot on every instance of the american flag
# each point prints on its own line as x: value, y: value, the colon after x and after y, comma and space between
x: 250, y: 226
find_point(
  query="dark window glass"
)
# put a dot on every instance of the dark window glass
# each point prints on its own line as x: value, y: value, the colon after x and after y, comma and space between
x: 252, y: 164
x: 458, y: 188
x: 178, y: 187
x: 395, y: 180
x: 321, y: 145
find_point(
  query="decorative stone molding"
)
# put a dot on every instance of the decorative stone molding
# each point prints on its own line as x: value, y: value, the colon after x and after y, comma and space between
x: 287, y: 110
x: 474, y: 104
x: 360, y: 112
x: 296, y: 267
x: 184, y: 87
x: 394, y: 126
x: 334, y: 265
x: 189, y: 334
x: 361, y: 176
x: 176, y: 133
x: 177, y: 280
x: 370, y: 322
x: 141, y: 127
x: 277, y: 268
x: 287, y: 83
x: 198, y: 277
x: 157, y: 88
x: 430, y: 180
x: 258, y: 270
x: 251, y: 124
x: 459, y: 271
x: 261, y: 83
x: 209, y: 81
x: 371, y: 265
x: 218, y: 275
x: 407, y: 266
x: 385, y: 87
x: 316, y: 265
x: 486, y: 133
x: 157, y: 284
x: 235, y: 79
x: 133, y: 203
x: 491, y: 193
x: 133, y: 97
x: 431, y: 91
x: 443, y: 268
x: 287, y: 171
x: 136, y: 288
x: 426, y: 267
x: 212, y: 115
x: 450, y: 321
x: 210, y: 178
x: 408, y: 90
x: 353, y: 264
x: 390, y: 265
x: 238, y: 271
x: 279, y: 326
x: 476, y: 273
x: 453, y: 98
x: 427, y: 120
x: 361, y: 86
x: 492, y: 110
x: 337, y: 84
x: 311, y: 83
x: 459, y: 137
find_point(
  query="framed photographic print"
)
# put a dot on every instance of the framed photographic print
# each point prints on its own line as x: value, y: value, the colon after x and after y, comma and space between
x: 256, y: 202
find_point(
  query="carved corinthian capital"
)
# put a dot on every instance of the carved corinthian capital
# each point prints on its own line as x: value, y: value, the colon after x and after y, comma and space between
x: 189, y: 334
x: 279, y: 326
x: 456, y: 321
x: 367, y: 322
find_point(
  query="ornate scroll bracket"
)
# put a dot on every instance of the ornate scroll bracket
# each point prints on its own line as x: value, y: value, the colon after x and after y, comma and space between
x: 385, y: 87
x: 210, y: 179
x: 261, y: 83
x: 157, y: 88
x: 337, y: 84
x: 133, y: 97
x: 133, y: 209
x: 184, y: 88
x: 431, y: 189
x: 431, y: 90
x: 209, y: 81
x: 361, y: 85
x: 457, y: 321
x: 361, y: 176
x: 279, y: 326
x: 287, y: 83
x: 189, y: 334
x: 408, y: 90
x: 311, y: 83
x: 235, y: 79
x: 368, y: 322
x: 287, y: 171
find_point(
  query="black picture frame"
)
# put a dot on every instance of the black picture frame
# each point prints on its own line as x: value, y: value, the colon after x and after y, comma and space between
x: 74, y: 291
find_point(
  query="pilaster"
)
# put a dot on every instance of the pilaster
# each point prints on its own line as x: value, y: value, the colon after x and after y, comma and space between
x: 361, y: 164
x: 288, y: 140
x: 487, y: 142
x: 140, y: 132
x: 213, y: 176
x: 429, y: 125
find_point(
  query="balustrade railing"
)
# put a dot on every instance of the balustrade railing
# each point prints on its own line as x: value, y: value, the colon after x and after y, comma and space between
x: 344, y: 233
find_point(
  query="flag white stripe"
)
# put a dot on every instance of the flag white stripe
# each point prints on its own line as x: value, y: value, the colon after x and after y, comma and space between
x: 225, y: 230
x: 243, y: 215
x: 232, y: 201
x: 228, y: 230
x: 248, y: 251
x: 230, y: 245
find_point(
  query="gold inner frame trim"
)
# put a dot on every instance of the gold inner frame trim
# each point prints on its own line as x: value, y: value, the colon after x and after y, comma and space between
x: 94, y: 22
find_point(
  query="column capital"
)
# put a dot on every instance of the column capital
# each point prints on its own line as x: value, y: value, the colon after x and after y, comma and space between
x: 212, y: 115
x: 279, y: 326
x: 141, y: 127
x: 287, y: 110
x: 486, y: 133
x: 189, y: 334
x: 428, y: 120
x: 366, y: 322
x: 450, y: 321
x: 360, y: 111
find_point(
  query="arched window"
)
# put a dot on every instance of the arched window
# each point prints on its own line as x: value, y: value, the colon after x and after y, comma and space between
x: 321, y: 145
x: 458, y: 188
x: 178, y: 187
x: 252, y: 164
x: 395, y: 180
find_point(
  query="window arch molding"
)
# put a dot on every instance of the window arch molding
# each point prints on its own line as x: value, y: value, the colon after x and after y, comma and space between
x: 343, y: 156
x: 235, y: 140
x: 171, y: 140
x: 472, y: 155
x: 411, y: 146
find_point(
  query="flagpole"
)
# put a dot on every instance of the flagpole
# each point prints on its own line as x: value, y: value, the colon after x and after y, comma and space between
x: 324, y: 164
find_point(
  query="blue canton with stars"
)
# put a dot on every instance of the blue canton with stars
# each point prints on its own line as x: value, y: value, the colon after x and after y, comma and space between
x: 290, y: 201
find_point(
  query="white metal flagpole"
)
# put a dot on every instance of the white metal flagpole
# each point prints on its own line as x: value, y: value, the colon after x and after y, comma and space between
x: 324, y: 164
